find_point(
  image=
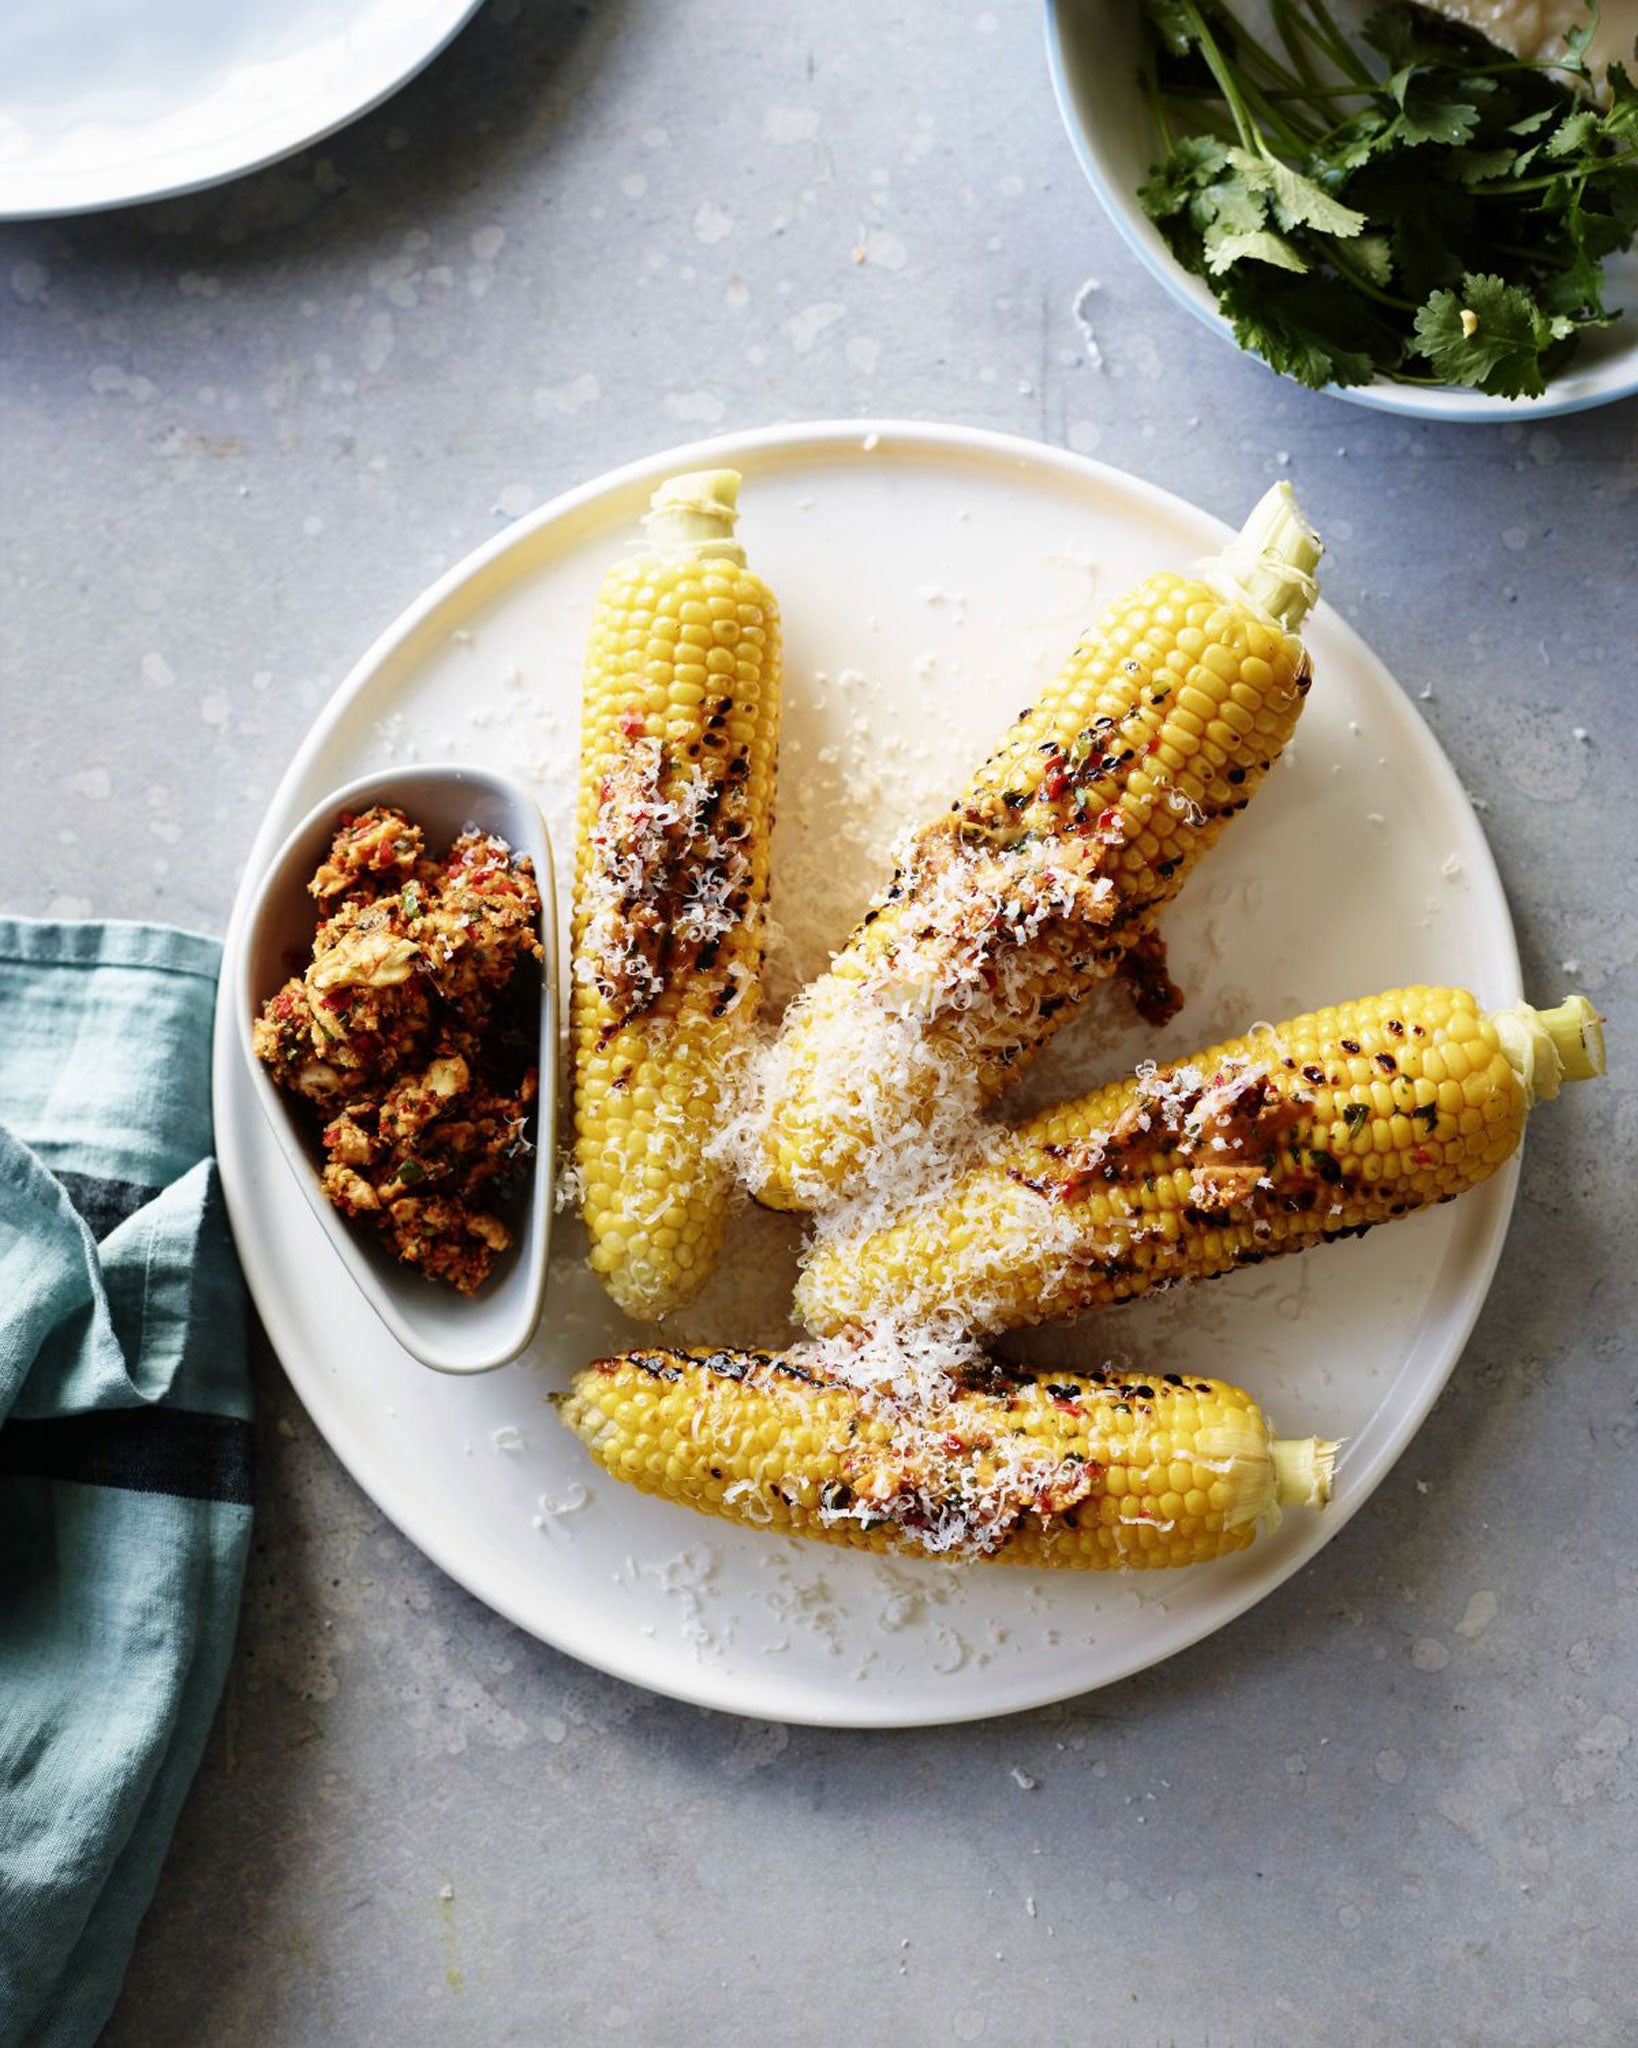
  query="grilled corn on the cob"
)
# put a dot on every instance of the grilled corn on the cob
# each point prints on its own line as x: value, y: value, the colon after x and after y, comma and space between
x: 1050, y: 866
x: 679, y: 734
x: 1081, y: 1470
x: 1313, y: 1130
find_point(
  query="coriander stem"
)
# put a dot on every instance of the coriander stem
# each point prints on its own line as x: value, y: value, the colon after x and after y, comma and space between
x: 1338, y: 261
x: 1254, y: 52
x: 1324, y: 32
x: 1156, y: 101
x: 1205, y: 117
x: 1296, y: 134
x: 1539, y: 259
x: 1330, y: 92
x: 1294, y: 46
x: 1507, y: 188
x: 1219, y: 69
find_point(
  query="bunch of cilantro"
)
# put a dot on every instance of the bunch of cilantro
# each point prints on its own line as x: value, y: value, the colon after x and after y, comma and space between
x: 1418, y: 205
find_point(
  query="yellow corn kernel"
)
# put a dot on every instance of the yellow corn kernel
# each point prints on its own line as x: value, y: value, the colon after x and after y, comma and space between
x: 679, y: 734
x: 1212, y: 1163
x: 1084, y: 1471
x: 1052, y: 863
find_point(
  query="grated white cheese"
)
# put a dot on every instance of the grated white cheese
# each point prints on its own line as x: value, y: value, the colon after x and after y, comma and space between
x: 669, y: 861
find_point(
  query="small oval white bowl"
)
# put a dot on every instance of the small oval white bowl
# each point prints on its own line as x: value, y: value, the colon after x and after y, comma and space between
x: 1093, y: 48
x: 450, y: 1332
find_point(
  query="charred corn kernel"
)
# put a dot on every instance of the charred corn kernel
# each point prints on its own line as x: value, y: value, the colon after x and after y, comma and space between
x: 679, y: 731
x: 1313, y: 1130
x: 1087, y: 1471
x: 1050, y: 867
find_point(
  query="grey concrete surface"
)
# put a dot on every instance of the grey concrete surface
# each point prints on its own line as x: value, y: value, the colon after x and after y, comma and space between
x: 1394, y: 1805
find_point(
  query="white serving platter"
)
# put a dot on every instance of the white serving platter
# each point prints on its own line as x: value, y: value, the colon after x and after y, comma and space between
x: 930, y: 578
x: 103, y: 103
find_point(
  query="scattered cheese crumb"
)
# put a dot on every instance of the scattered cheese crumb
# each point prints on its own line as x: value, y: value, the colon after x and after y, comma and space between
x: 548, y: 1510
x: 1022, y: 1779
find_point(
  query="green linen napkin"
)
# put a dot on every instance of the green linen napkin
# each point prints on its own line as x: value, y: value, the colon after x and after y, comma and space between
x: 125, y: 1443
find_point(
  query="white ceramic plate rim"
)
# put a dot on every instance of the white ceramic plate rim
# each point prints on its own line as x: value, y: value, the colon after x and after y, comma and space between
x: 138, y: 179
x: 422, y: 1520
x: 1604, y: 386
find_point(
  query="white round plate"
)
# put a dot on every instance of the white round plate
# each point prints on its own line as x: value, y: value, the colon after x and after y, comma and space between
x: 1093, y: 50
x: 103, y: 104
x: 930, y: 579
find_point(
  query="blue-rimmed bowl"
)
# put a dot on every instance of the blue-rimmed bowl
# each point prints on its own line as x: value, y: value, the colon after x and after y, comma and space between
x: 1094, y: 47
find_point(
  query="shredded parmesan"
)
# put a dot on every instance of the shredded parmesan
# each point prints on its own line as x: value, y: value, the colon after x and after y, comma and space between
x: 669, y: 875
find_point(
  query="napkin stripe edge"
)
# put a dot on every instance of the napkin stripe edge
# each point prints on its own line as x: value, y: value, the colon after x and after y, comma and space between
x: 175, y: 1451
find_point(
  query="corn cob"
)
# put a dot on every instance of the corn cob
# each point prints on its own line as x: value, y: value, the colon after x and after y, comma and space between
x: 1050, y: 866
x: 679, y: 734
x: 1086, y: 1471
x: 1314, y: 1130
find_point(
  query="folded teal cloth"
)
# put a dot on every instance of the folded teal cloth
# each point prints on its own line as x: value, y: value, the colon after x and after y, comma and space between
x: 125, y: 1443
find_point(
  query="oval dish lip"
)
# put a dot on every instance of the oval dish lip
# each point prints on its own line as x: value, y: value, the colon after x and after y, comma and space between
x: 446, y: 1331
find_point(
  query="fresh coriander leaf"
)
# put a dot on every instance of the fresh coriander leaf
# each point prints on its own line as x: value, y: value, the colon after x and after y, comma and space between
x: 1490, y: 336
x: 1261, y: 245
x: 1229, y: 206
x: 1356, y: 141
x: 1434, y: 112
x: 1371, y: 254
x: 1574, y: 46
x: 1621, y: 116
x: 1596, y: 233
x: 1477, y: 166
x: 1577, y: 289
x: 1308, y: 328
x: 1431, y: 222
x: 1408, y: 37
x: 1617, y: 188
x: 1298, y: 201
x: 1572, y: 135
x: 1411, y: 185
x: 1195, y: 162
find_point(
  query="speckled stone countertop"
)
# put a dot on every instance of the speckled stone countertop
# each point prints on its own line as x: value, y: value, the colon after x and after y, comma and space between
x: 1395, y: 1803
